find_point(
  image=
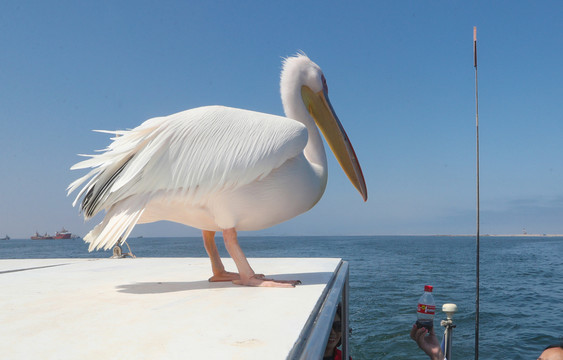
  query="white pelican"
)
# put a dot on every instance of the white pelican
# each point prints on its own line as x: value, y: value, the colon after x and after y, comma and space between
x: 220, y: 169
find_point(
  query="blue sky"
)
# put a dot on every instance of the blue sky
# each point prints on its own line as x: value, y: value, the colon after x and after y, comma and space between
x: 401, y: 80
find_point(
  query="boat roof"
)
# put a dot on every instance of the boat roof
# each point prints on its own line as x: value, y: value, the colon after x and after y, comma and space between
x: 147, y: 308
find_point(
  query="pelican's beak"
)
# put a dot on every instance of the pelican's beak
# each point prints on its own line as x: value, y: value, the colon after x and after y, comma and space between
x: 321, y: 110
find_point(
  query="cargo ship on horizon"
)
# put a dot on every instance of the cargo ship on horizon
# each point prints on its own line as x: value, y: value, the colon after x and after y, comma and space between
x: 37, y: 236
x: 63, y: 234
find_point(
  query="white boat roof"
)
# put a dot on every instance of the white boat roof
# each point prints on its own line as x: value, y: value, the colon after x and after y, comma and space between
x: 153, y: 308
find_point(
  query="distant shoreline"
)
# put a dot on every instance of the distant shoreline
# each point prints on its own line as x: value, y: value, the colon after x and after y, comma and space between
x: 528, y: 235
x: 338, y: 235
x: 507, y: 235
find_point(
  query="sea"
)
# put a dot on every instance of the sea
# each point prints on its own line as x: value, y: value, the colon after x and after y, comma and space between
x: 521, y: 285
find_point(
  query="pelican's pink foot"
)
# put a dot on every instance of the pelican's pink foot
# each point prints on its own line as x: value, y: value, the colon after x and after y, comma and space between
x: 224, y: 276
x: 260, y: 280
x: 247, y: 275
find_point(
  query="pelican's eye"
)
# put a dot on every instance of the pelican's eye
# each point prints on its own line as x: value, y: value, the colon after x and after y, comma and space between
x: 325, y: 86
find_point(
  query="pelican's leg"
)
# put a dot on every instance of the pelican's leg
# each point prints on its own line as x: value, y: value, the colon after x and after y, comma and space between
x: 219, y: 273
x: 247, y: 275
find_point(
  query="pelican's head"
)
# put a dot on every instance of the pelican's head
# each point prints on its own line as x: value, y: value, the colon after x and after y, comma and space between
x: 302, y: 78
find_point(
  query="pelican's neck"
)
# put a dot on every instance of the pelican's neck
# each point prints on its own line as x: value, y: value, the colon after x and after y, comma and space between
x: 295, y: 109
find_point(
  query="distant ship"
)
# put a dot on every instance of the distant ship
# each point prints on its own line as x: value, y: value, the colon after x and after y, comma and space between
x: 41, y: 237
x: 5, y: 238
x: 63, y: 234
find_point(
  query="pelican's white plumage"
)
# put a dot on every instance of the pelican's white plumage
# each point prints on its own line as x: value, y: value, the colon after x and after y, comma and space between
x: 217, y: 168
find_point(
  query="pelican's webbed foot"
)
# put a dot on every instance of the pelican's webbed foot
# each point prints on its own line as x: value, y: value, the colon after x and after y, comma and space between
x: 261, y: 280
x: 224, y: 276
x: 247, y: 275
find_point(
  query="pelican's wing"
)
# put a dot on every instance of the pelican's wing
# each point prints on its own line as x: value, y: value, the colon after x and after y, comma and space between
x: 196, y: 153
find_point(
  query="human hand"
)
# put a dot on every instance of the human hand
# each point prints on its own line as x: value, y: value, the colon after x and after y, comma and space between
x: 429, y: 344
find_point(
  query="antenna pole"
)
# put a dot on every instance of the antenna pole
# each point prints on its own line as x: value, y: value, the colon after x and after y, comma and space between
x: 478, y: 219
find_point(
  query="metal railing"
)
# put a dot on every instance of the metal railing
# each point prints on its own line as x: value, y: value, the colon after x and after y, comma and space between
x: 313, y: 339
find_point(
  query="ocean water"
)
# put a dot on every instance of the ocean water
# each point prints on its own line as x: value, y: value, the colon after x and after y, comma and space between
x: 521, y: 296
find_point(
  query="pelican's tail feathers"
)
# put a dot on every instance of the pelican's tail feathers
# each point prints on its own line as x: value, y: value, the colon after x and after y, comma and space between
x: 100, y: 191
x: 99, y: 188
x: 117, y: 224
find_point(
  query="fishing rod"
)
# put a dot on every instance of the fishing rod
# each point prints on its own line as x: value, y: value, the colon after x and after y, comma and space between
x: 478, y: 219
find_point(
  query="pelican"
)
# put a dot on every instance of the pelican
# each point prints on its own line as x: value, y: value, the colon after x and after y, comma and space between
x: 217, y: 168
